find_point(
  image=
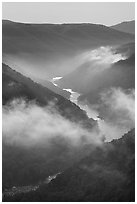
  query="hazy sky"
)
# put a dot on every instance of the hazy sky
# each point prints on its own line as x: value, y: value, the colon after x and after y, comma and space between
x: 107, y: 13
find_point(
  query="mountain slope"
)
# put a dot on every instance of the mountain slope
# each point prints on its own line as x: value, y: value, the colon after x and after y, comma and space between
x: 54, y: 88
x: 107, y: 174
x: 128, y: 27
x: 16, y: 85
x: 121, y: 74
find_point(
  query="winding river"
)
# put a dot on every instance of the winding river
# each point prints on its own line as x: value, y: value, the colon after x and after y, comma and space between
x: 74, y: 98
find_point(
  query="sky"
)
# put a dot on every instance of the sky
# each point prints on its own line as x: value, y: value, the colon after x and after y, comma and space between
x: 107, y: 13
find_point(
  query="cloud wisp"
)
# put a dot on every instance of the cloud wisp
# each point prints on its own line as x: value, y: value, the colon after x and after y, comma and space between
x: 103, y: 55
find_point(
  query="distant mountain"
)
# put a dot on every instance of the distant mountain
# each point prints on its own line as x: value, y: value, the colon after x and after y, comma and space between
x: 44, y: 51
x: 106, y: 175
x: 127, y: 27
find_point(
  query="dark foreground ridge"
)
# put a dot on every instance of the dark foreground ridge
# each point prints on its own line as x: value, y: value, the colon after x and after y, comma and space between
x: 107, y: 174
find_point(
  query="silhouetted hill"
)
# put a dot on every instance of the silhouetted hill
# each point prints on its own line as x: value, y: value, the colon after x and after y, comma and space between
x: 60, y: 34
x: 45, y: 50
x: 107, y: 174
x: 128, y: 27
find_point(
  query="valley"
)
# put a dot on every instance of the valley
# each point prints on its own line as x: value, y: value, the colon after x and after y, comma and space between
x: 68, y: 112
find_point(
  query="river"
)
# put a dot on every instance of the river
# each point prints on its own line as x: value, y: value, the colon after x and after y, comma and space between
x: 74, y: 98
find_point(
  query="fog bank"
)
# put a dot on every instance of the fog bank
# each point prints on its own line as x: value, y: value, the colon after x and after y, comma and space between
x: 29, y: 124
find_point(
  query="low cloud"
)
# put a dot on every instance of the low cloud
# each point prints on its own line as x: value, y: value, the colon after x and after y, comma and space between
x: 28, y: 124
x: 117, y: 108
x: 101, y: 58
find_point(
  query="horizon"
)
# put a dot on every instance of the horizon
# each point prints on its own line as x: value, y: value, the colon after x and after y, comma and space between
x: 76, y: 23
x: 69, y: 12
